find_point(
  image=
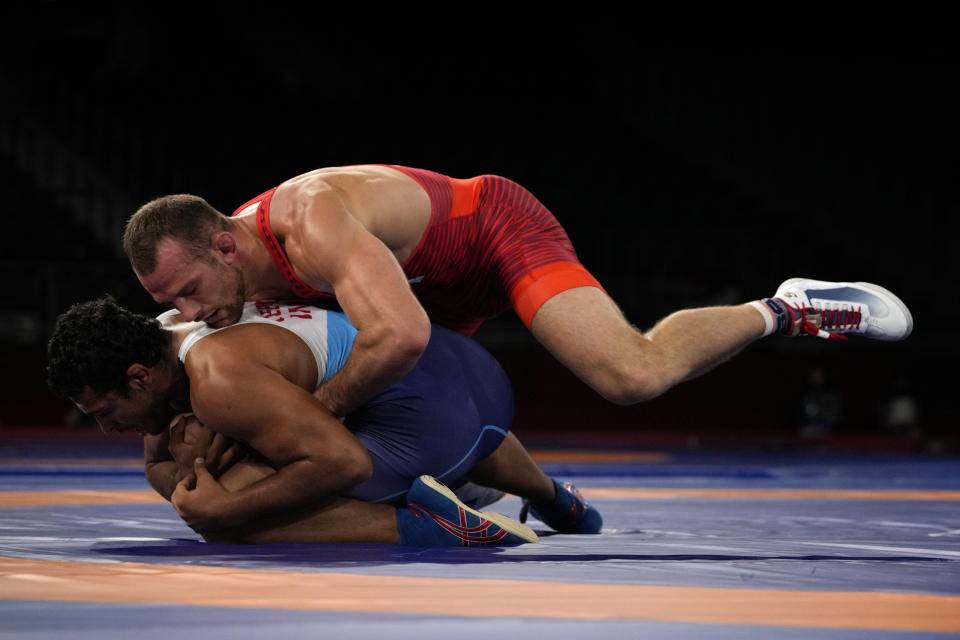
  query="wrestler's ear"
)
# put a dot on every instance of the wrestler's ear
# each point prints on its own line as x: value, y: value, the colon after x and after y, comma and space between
x: 138, y: 376
x: 224, y: 244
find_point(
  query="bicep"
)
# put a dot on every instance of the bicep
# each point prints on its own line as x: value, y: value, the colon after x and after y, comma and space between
x: 258, y: 406
x: 371, y: 287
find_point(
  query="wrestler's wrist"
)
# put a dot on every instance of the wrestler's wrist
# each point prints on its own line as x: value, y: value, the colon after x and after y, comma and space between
x: 332, y: 405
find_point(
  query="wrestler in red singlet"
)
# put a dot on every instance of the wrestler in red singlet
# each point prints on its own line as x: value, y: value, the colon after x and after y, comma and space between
x: 489, y: 245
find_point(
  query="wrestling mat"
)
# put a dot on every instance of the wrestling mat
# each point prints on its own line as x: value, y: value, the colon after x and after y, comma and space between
x: 695, y: 545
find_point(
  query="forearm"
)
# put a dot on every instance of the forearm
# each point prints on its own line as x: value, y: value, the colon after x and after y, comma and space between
x: 296, y: 486
x: 159, y: 466
x: 369, y: 370
x: 163, y: 477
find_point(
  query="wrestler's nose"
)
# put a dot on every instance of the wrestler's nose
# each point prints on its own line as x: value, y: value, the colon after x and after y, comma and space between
x: 189, y: 310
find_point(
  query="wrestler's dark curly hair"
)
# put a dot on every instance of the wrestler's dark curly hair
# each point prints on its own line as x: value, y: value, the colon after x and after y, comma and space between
x: 95, y: 342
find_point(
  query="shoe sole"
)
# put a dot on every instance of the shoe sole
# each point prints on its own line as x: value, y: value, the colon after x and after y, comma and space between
x: 506, y: 523
x: 897, y: 302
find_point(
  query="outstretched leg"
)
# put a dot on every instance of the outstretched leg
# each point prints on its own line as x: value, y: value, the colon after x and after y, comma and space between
x: 586, y: 331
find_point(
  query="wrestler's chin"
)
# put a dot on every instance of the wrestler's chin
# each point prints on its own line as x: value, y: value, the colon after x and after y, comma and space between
x: 218, y: 323
x: 235, y: 312
x: 225, y: 317
x: 218, y: 320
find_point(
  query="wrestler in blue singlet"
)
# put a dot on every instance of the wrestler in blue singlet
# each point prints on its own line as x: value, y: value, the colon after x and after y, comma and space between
x: 450, y: 412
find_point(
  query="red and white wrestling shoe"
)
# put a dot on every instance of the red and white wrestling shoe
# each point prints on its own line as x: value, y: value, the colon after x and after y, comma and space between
x: 833, y: 309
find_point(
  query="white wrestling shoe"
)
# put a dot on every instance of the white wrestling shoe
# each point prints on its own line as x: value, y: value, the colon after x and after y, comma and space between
x: 831, y: 309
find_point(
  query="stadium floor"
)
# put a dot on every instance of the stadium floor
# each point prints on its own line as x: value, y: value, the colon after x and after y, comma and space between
x: 723, y: 544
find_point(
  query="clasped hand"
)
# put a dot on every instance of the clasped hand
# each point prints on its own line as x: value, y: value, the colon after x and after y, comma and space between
x: 201, y: 456
x: 201, y: 501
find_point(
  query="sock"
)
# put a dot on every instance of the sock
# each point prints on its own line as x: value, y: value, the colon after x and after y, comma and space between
x: 777, y: 315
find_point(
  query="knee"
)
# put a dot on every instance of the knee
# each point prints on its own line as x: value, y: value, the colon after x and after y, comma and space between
x: 351, y: 461
x: 360, y: 468
x: 632, y: 384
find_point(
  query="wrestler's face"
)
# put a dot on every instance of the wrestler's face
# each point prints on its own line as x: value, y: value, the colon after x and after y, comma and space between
x: 208, y: 287
x: 141, y: 409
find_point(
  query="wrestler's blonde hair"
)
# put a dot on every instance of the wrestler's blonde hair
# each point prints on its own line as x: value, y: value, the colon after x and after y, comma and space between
x: 187, y: 219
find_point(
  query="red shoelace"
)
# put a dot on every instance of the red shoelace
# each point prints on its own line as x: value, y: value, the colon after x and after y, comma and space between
x: 829, y: 319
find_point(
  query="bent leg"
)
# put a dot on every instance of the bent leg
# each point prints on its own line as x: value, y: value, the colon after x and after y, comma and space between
x: 430, y: 519
x: 344, y: 520
x: 559, y: 505
x: 335, y: 520
x: 510, y: 468
x: 586, y: 331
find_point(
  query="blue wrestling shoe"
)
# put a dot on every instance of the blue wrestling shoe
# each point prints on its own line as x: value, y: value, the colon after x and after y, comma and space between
x: 435, y: 518
x: 831, y: 309
x: 569, y: 513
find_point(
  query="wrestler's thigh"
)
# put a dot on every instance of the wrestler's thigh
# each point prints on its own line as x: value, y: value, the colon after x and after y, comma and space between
x: 585, y: 330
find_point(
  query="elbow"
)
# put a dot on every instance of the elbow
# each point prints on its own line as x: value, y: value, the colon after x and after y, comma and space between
x: 346, y: 463
x: 409, y: 340
x: 357, y: 467
x: 632, y: 385
x: 417, y: 340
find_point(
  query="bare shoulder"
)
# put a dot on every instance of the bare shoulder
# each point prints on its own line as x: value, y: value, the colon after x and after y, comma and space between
x: 244, y: 376
x: 219, y: 362
x: 385, y: 201
x: 217, y: 358
x: 349, y: 178
x: 332, y: 184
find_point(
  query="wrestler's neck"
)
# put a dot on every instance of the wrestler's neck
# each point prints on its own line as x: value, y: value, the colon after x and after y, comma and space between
x: 262, y: 280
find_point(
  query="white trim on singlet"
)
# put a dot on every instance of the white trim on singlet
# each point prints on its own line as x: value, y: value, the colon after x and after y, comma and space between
x: 328, y: 334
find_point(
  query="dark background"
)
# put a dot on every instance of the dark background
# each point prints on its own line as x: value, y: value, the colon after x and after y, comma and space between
x: 685, y: 176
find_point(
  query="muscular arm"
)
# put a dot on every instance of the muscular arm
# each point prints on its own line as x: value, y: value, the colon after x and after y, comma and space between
x: 246, y: 398
x: 339, y: 520
x: 333, y: 246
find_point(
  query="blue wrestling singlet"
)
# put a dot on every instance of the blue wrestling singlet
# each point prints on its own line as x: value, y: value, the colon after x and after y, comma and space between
x: 450, y: 412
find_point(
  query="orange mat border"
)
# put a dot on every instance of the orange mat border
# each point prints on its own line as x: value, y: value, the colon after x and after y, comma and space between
x: 135, y: 496
x: 135, y: 583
